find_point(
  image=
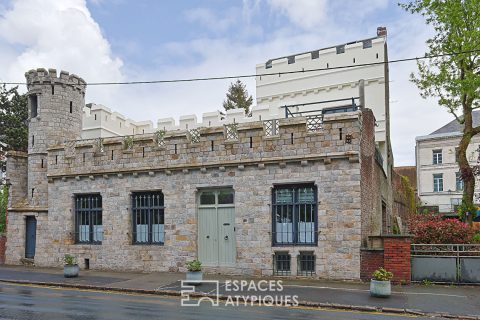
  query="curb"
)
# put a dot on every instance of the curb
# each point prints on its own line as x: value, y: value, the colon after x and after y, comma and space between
x: 301, y: 303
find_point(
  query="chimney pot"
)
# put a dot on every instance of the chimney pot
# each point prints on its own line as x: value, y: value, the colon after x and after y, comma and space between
x: 381, y: 31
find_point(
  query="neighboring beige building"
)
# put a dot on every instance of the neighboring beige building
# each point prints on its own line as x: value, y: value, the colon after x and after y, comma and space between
x: 438, y: 177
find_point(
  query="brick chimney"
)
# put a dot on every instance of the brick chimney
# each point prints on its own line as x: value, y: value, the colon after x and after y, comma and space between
x: 381, y: 31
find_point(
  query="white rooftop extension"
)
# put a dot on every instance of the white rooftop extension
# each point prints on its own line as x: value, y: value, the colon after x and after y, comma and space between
x: 288, y: 80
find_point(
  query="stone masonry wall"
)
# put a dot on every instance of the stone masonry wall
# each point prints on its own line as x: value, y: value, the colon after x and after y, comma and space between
x: 251, y: 164
x: 60, y: 102
x: 17, y: 178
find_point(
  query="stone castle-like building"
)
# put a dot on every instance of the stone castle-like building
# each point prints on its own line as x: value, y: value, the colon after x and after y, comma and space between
x: 289, y: 196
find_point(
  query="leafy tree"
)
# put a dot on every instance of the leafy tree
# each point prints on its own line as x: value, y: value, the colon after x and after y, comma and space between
x: 237, y: 97
x: 13, y: 121
x: 3, y: 207
x: 452, y: 73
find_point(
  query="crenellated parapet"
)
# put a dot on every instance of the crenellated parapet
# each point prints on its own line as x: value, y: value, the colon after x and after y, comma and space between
x: 41, y: 76
x: 258, y: 143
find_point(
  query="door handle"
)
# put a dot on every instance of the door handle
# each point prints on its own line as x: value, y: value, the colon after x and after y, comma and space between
x: 226, y: 238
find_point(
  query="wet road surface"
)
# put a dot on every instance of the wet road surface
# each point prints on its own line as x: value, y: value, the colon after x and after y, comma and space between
x: 31, y: 302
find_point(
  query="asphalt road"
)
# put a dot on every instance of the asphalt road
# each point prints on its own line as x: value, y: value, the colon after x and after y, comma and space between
x: 30, y: 302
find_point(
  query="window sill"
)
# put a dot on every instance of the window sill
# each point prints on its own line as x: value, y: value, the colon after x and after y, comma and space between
x: 294, y: 245
x: 160, y: 244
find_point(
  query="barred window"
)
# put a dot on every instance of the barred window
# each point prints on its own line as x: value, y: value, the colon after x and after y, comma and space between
x: 88, y: 219
x: 306, y: 263
x: 281, y: 263
x: 294, y: 215
x: 148, y: 218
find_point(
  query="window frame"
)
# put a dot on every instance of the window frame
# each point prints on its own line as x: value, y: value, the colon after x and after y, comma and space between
x: 149, y: 216
x: 459, y: 181
x: 437, y: 155
x: 305, y: 258
x: 295, y: 216
x: 288, y: 260
x: 90, y: 211
x: 438, y: 176
x: 33, y: 101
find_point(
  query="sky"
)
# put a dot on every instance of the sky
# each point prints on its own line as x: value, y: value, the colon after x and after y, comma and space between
x: 126, y: 40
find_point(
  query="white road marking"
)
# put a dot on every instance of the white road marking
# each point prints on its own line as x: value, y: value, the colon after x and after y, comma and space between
x: 364, y: 290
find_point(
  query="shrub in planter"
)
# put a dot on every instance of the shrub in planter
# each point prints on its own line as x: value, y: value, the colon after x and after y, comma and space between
x: 70, y: 268
x: 380, y: 285
x: 194, y: 273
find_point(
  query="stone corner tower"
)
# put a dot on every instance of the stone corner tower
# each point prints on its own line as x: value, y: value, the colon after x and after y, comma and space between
x: 55, y: 106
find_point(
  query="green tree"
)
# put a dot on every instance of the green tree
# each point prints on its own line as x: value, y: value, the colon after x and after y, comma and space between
x: 452, y: 74
x: 3, y: 207
x: 13, y: 121
x: 237, y: 97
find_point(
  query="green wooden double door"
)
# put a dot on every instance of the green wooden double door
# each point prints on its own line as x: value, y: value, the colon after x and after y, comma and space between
x: 216, y: 228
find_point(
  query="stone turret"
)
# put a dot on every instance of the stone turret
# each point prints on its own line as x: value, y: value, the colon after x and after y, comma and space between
x: 55, y: 107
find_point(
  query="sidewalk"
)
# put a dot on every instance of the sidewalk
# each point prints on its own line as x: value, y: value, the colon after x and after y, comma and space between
x: 439, y: 300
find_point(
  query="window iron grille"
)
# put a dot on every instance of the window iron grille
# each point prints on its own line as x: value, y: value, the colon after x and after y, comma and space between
x: 348, y: 139
x: 148, y: 218
x: 314, y: 123
x: 194, y: 135
x: 306, y: 263
x: 231, y: 131
x: 294, y: 215
x: 271, y: 127
x: 160, y: 138
x: 281, y: 264
x: 99, y: 147
x: 88, y: 219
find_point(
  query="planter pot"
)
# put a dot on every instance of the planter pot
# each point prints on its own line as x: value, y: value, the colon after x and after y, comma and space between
x: 71, y: 271
x: 194, y: 277
x: 382, y: 289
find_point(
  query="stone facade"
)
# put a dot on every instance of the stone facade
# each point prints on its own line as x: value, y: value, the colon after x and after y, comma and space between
x: 334, y: 157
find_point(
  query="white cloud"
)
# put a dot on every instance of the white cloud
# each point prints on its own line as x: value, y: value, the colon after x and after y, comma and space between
x: 304, y: 13
x: 209, y: 19
x: 62, y: 34
x: 57, y: 34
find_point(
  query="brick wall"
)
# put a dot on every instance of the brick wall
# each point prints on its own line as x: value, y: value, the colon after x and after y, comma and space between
x: 3, y: 241
x: 397, y: 257
x: 370, y: 260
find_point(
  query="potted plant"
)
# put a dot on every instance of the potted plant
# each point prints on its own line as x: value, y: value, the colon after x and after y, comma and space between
x: 194, y: 271
x: 70, y: 268
x: 380, y: 285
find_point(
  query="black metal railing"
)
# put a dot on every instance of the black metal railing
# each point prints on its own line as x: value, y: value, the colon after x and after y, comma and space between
x: 352, y: 106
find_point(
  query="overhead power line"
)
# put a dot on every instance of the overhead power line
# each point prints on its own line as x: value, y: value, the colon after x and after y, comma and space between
x: 268, y: 73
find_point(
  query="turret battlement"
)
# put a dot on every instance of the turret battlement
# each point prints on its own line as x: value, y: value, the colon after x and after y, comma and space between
x: 41, y: 76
